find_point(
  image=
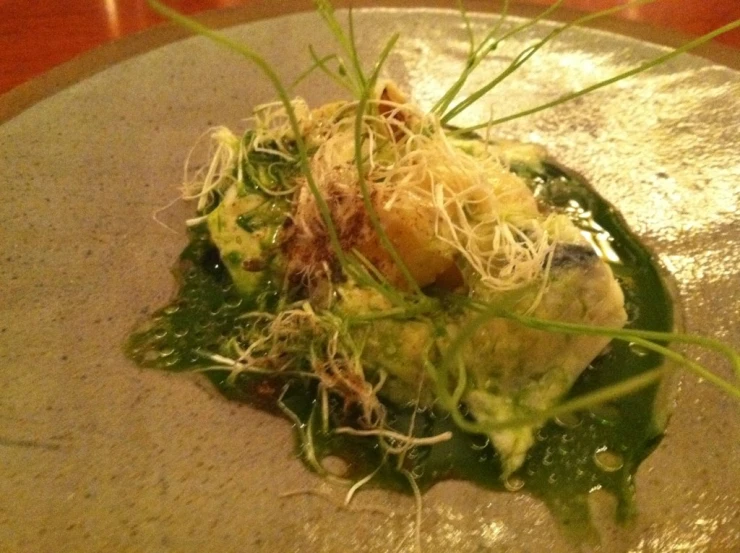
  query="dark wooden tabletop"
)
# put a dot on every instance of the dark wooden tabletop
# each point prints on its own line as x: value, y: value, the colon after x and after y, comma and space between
x: 36, y: 35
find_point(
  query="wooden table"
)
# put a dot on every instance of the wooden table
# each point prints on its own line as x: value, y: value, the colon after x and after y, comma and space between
x: 37, y: 35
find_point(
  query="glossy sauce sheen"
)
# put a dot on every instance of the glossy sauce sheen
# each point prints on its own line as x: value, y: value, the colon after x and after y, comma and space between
x: 599, y: 449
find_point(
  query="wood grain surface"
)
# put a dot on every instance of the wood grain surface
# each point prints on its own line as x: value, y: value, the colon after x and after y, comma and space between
x: 38, y: 35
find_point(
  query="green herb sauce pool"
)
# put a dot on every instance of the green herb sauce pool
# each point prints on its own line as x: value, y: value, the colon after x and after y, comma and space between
x: 600, y: 449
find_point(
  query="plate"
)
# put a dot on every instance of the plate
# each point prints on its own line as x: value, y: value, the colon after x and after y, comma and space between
x: 99, y: 455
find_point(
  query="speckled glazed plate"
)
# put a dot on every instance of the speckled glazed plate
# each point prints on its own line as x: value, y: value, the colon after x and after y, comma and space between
x: 99, y: 455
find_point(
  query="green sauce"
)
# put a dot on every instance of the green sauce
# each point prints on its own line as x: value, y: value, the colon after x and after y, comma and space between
x: 593, y: 450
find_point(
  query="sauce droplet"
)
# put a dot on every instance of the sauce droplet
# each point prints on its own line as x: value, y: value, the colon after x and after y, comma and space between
x: 638, y: 350
x: 608, y: 461
x: 513, y: 483
x: 568, y: 420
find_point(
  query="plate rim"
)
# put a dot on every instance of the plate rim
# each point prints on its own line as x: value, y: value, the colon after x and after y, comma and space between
x: 91, y: 62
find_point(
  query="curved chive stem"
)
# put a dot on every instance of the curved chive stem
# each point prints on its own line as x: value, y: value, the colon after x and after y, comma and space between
x: 628, y: 334
x: 504, y: 14
x: 626, y: 74
x: 366, y: 199
x: 468, y: 28
x: 693, y: 366
x: 624, y: 334
x: 353, y: 47
x: 365, y: 85
x: 620, y: 389
x: 488, y: 44
x: 583, y: 402
x: 282, y: 93
x: 641, y: 337
x: 375, y: 279
x: 307, y: 448
x: 320, y: 63
x: 326, y: 11
x: 528, y: 53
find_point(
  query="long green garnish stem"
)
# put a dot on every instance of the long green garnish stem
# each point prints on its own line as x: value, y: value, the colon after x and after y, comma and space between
x: 616, y: 391
x: 487, y: 45
x: 353, y: 51
x: 365, y: 86
x: 320, y: 63
x: 630, y: 334
x: 693, y: 366
x: 641, y: 338
x: 366, y: 199
x: 306, y: 443
x: 468, y: 28
x: 362, y: 270
x: 528, y: 53
x: 326, y: 11
x: 626, y: 74
x: 282, y: 93
x: 624, y: 334
x: 584, y: 402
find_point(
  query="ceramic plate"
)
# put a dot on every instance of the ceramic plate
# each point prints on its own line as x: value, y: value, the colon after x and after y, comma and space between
x: 99, y: 455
